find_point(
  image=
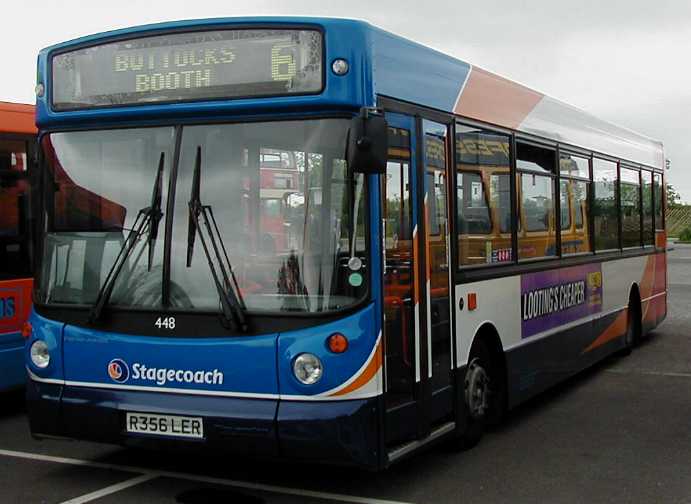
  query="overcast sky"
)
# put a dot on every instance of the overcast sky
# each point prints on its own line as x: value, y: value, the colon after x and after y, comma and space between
x: 627, y: 61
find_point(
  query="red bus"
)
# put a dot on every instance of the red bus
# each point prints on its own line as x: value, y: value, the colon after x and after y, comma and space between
x: 17, y: 139
x: 279, y: 179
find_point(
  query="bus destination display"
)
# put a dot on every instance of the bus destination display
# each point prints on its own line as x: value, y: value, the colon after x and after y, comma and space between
x: 189, y: 66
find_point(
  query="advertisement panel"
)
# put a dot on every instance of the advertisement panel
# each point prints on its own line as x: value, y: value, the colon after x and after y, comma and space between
x: 556, y: 297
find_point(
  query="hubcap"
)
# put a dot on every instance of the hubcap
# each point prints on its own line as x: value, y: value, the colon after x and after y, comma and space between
x: 477, y: 389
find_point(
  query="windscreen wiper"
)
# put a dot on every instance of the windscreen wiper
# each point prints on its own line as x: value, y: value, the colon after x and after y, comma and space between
x: 232, y: 303
x: 146, y: 217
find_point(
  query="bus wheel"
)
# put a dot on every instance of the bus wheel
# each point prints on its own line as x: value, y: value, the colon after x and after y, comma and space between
x: 633, y: 327
x: 479, y: 395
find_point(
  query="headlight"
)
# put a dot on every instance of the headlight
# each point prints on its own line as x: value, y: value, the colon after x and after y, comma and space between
x: 307, y: 368
x: 39, y: 354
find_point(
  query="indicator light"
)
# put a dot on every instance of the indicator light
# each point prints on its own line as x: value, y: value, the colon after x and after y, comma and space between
x: 26, y: 330
x: 472, y: 301
x: 337, y: 343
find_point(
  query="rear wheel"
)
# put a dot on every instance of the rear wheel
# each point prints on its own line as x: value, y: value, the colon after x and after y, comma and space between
x: 633, y: 327
x: 483, y: 395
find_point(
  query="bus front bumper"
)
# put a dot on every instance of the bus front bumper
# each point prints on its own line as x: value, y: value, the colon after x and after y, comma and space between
x: 335, y: 432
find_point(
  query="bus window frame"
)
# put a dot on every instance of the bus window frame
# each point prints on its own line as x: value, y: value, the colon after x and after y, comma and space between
x: 589, y: 222
x: 617, y: 201
x: 468, y: 123
x: 652, y: 209
x: 663, y: 205
x: 26, y: 236
x: 556, y: 207
x: 637, y: 169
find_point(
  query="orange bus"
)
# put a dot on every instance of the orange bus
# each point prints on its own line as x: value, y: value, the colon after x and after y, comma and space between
x: 17, y: 140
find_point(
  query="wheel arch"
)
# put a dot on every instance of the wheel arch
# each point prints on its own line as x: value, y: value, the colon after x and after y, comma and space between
x: 489, y: 335
x: 634, y: 297
x: 636, y: 303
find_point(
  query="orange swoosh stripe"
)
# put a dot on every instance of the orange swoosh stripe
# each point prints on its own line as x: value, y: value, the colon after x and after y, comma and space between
x: 491, y: 98
x: 367, y: 374
x: 613, y: 331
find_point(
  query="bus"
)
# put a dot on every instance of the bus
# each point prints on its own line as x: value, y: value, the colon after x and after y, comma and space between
x: 279, y: 181
x: 17, y: 139
x: 453, y: 242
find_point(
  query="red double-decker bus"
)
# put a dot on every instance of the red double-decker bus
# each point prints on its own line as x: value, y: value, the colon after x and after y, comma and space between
x: 279, y: 179
x: 17, y: 140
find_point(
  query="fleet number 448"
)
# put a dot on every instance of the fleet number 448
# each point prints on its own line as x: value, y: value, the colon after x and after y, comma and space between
x: 165, y: 322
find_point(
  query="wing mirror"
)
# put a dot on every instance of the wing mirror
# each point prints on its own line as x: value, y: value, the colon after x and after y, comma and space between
x: 368, y: 142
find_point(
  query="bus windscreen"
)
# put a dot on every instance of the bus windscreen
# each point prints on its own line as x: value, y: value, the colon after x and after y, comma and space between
x: 189, y: 66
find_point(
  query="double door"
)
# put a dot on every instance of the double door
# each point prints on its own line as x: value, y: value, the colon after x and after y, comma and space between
x: 418, y: 300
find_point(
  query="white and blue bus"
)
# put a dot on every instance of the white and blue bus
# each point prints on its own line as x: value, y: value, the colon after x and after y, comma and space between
x: 311, y: 239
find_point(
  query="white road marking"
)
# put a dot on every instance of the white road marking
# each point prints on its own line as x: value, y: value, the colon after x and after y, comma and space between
x: 201, y: 479
x: 649, y: 373
x: 111, y: 489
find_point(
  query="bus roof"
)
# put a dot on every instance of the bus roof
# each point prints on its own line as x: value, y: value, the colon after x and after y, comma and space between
x: 392, y: 66
x: 17, y: 118
x: 410, y: 71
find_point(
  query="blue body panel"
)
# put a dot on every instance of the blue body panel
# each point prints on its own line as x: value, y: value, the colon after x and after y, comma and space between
x: 338, y: 368
x: 88, y: 353
x: 49, y: 331
x: 12, y: 373
x: 409, y: 71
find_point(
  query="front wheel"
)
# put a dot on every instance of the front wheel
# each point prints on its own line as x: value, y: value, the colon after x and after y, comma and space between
x: 482, y: 396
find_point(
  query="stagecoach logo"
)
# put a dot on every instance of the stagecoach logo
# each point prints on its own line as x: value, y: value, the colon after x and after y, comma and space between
x: 118, y: 371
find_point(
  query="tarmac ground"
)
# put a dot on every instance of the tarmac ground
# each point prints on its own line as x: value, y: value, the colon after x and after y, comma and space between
x: 618, y: 432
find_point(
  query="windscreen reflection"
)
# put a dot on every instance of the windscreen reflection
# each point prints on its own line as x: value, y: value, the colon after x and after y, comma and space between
x: 281, y: 196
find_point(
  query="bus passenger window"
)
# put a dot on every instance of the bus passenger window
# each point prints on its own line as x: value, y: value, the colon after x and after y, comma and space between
x: 537, y: 194
x: 435, y: 166
x: 659, y: 195
x: 565, y: 210
x: 483, y: 195
x: 473, y: 210
x: 630, y: 201
x: 648, y: 226
x: 14, y: 194
x: 574, y: 188
x: 535, y: 183
x: 605, y: 215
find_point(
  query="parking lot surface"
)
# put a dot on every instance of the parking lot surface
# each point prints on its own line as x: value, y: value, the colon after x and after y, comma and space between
x: 620, y: 432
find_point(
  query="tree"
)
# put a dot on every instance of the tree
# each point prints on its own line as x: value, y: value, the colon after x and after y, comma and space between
x: 673, y: 197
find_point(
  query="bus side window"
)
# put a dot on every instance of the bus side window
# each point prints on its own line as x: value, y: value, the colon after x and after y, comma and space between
x: 14, y: 193
x: 483, y: 196
x: 648, y: 226
x: 535, y: 179
x: 658, y: 195
x: 605, y: 215
x: 574, y: 187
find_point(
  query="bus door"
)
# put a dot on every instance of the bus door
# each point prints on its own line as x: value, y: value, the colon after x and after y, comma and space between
x: 417, y: 337
x: 437, y: 273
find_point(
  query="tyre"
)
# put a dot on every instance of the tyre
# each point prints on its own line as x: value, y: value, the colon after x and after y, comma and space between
x: 633, y: 327
x: 483, y: 397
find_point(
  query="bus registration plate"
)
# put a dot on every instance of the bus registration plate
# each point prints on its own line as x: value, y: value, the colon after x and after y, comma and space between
x: 165, y: 425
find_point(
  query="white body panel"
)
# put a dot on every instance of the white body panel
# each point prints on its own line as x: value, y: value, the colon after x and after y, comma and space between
x: 499, y: 304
